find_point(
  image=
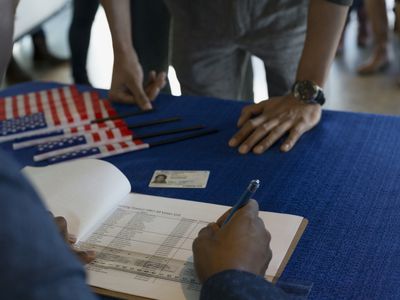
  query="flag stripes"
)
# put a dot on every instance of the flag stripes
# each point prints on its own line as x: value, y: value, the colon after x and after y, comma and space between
x: 78, y: 142
x: 25, y: 104
x: 59, y: 108
x: 100, y: 151
x: 67, y: 132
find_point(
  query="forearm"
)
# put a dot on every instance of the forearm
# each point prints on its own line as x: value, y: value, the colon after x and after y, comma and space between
x: 127, y: 80
x: 324, y: 28
x: 7, y: 12
x: 119, y: 20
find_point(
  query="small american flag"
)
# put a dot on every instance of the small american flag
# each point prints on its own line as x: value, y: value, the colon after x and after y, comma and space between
x: 27, y: 104
x: 100, y: 151
x: 70, y: 114
x: 83, y: 141
x: 22, y: 124
x: 66, y: 132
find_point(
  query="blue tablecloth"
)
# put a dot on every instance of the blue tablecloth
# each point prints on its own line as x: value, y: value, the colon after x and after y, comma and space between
x: 343, y: 176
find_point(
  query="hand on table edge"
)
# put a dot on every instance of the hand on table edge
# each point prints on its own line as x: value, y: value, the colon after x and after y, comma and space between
x: 261, y: 125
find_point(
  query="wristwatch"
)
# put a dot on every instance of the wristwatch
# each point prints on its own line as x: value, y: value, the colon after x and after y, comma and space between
x: 309, y: 92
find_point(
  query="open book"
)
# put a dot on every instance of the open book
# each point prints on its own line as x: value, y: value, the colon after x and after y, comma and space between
x: 143, y: 243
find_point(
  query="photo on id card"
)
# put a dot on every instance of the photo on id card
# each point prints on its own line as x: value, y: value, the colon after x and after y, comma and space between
x: 179, y: 179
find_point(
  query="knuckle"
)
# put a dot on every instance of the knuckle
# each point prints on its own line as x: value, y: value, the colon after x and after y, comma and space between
x: 291, y: 114
x: 269, y: 253
x: 195, y: 244
x: 276, y: 132
x: 248, y: 216
x: 252, y: 124
x: 297, y: 131
x: 267, y: 142
x: 260, y: 222
x: 284, y: 115
x: 265, y: 126
x: 267, y: 234
x: 303, y: 119
x: 202, y: 231
x: 198, y: 244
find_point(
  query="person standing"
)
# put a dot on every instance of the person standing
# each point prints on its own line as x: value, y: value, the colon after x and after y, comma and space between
x: 297, y: 41
x: 377, y: 14
x: 150, y: 22
x: 211, y: 41
x: 362, y: 31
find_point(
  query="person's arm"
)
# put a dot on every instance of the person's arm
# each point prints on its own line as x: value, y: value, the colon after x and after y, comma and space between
x: 231, y: 260
x: 262, y: 124
x: 35, y: 262
x: 128, y: 78
x: 325, y: 26
x: 7, y: 13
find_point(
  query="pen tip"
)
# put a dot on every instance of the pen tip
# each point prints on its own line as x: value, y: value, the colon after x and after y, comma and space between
x: 254, y: 185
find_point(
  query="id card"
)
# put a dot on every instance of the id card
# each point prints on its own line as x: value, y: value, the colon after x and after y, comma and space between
x: 179, y: 179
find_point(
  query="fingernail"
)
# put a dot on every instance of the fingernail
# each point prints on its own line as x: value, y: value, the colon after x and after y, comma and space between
x: 285, y: 147
x: 148, y: 106
x: 243, y: 149
x: 232, y: 143
x: 259, y: 149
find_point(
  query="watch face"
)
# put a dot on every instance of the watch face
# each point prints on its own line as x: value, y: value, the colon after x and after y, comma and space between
x: 306, y: 90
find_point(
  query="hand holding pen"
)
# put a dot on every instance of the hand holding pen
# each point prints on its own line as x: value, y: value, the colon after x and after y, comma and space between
x: 242, y: 244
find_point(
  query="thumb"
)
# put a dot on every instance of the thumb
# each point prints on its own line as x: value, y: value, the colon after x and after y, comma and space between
x: 140, y: 96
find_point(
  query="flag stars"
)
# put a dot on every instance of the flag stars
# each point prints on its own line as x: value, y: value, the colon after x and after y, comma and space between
x: 22, y: 124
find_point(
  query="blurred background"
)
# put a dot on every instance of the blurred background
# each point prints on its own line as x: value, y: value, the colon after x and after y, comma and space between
x: 42, y: 52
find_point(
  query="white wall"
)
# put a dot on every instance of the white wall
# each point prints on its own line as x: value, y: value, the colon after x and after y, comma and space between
x: 30, y: 13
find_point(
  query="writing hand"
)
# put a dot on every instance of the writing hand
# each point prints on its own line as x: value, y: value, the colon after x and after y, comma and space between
x: 262, y: 124
x: 84, y: 256
x: 242, y: 244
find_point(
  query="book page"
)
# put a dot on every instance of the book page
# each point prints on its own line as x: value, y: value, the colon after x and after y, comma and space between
x: 144, y: 247
x: 82, y: 191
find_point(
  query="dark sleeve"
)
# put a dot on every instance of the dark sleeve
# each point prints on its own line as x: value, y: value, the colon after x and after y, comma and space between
x: 35, y: 263
x: 342, y: 2
x: 239, y: 285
